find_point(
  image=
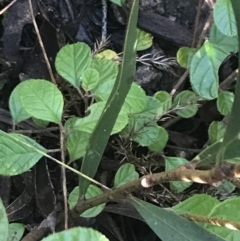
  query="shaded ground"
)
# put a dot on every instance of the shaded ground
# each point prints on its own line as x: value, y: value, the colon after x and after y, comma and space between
x: 33, y: 196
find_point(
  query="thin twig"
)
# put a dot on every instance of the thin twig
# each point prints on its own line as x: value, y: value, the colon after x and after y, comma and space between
x: 41, y: 43
x: 62, y: 133
x: 229, y: 80
x: 64, y: 180
x: 7, y: 7
x: 200, y: 3
x: 171, y: 122
x: 184, y: 149
x: 204, y: 31
x: 200, y: 41
x: 83, y: 98
x: 69, y: 8
x: 180, y: 82
x: 169, y: 192
x: 37, y: 131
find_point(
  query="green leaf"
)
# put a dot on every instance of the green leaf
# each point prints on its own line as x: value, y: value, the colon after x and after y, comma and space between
x: 77, y: 144
x: 92, y: 191
x: 233, y: 151
x: 202, y: 204
x: 41, y: 99
x: 152, y: 110
x: 169, y: 226
x: 199, y: 204
x: 135, y: 100
x: 225, y: 43
x: 103, y: 129
x: 226, y: 188
x: 90, y: 79
x: 118, y: 2
x: 161, y: 141
x: 146, y: 134
x: 40, y: 123
x: 3, y: 222
x: 228, y: 210
x: 88, y: 123
x: 73, y: 197
x: 16, y: 231
x: 225, y: 102
x: 233, y: 127
x: 207, y: 60
x: 72, y: 60
x: 204, y: 70
x: 184, y: 56
x: 69, y: 125
x: 107, y: 71
x: 171, y: 163
x: 107, y: 54
x: 216, y: 131
x: 165, y: 98
x: 16, y: 157
x: 224, y: 17
x: 125, y: 174
x: 141, y: 130
x: 77, y: 234
x: 142, y: 126
x: 209, y: 155
x: 17, y: 111
x: 186, y: 101
x: 144, y: 40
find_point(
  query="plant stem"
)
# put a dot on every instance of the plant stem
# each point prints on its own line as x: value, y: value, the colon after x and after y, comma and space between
x: 183, y: 173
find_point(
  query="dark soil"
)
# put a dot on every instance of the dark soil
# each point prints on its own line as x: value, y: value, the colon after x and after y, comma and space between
x: 33, y: 196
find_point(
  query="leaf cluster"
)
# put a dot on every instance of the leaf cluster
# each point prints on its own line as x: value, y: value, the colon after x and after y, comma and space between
x: 101, y: 83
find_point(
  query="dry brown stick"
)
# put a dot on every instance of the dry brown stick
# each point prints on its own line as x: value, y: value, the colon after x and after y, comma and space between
x: 186, y: 73
x: 83, y: 96
x: 226, y: 83
x: 183, y: 173
x: 200, y: 3
x: 36, y: 234
x: 184, y: 149
x: 41, y: 43
x: 215, y: 221
x: 7, y: 7
x: 200, y: 41
x: 204, y: 31
x: 170, y: 122
x: 180, y: 82
x: 64, y: 179
x: 49, y: 129
x: 62, y: 141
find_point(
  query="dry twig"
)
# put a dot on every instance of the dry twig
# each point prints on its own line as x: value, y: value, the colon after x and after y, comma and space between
x: 62, y: 141
x: 7, y: 7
